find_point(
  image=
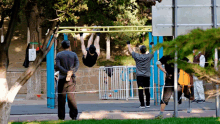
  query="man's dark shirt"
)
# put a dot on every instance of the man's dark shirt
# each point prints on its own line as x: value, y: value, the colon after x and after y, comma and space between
x: 169, y: 66
x: 90, y: 60
x: 66, y: 61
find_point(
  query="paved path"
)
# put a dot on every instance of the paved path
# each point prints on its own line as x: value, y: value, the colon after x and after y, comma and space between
x: 123, y: 107
x: 113, y: 115
x: 109, y: 109
x: 90, y: 107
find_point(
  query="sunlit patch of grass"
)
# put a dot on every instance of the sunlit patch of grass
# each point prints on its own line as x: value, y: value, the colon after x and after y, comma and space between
x: 118, y: 61
x: 125, y: 60
x: 204, y: 120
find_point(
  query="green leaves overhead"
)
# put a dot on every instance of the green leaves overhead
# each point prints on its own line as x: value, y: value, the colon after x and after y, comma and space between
x: 68, y: 10
x: 202, y: 40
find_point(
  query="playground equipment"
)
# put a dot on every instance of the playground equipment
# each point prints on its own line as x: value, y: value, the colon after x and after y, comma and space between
x: 103, y: 29
x: 121, y: 84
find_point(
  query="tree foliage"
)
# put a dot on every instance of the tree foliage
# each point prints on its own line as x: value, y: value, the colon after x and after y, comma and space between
x: 202, y: 40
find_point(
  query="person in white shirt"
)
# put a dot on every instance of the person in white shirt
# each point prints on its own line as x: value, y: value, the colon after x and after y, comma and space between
x: 198, y: 84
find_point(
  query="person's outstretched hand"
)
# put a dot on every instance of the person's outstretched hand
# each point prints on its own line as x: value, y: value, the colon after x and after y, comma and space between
x: 168, y: 75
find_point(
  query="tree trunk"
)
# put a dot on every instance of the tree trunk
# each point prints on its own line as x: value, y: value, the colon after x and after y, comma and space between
x: 4, y: 106
x: 108, y: 47
x: 5, y: 109
x: 34, y: 83
x: 7, y: 96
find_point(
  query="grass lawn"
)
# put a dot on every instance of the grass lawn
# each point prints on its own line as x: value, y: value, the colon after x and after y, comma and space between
x: 208, y: 120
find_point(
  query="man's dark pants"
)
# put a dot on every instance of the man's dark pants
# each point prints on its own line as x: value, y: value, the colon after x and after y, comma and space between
x: 63, y: 87
x: 168, y: 90
x: 144, y: 82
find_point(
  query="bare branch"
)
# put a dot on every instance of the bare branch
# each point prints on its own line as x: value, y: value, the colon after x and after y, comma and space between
x: 54, y: 37
x: 44, y: 46
x: 56, y: 19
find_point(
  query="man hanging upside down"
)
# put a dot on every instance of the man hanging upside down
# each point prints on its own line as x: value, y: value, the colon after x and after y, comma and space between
x: 91, y: 53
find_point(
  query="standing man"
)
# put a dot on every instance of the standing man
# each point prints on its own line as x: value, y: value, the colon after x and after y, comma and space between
x: 92, y: 52
x: 168, y: 88
x: 67, y: 63
x: 198, y: 84
x: 143, y: 73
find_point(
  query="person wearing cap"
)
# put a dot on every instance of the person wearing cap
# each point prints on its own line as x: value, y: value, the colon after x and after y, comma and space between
x: 92, y: 52
x: 143, y: 73
x: 67, y: 64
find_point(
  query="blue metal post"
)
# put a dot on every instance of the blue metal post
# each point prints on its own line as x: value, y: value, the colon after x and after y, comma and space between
x: 156, y: 68
x: 131, y: 82
x: 151, y: 69
x: 50, y: 77
x: 161, y: 72
x: 65, y: 38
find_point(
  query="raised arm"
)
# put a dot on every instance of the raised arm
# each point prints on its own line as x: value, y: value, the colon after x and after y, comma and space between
x: 153, y: 50
x: 129, y: 47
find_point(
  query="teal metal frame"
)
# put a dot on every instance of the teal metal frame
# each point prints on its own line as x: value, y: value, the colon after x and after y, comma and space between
x: 50, y: 76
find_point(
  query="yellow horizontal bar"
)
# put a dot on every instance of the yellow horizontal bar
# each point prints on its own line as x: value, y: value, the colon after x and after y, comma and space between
x: 105, y: 31
x: 101, y: 27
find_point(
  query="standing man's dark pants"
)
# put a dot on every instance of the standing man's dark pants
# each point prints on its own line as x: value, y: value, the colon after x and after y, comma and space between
x: 63, y: 87
x: 168, y: 90
x: 144, y: 82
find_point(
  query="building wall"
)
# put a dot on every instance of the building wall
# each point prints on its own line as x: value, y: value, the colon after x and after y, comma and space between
x: 88, y: 80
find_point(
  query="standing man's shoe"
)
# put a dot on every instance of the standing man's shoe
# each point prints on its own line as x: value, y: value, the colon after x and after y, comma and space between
x: 142, y: 107
x: 159, y: 117
x: 74, y: 118
x: 194, y: 101
x: 200, y: 101
x: 147, y: 106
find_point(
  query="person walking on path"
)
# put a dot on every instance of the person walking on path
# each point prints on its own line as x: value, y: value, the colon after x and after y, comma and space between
x: 143, y: 73
x: 67, y: 63
x: 198, y: 84
x: 168, y: 88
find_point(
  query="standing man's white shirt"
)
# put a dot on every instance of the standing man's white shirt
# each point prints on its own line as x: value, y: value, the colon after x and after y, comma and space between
x: 202, y: 60
x: 198, y: 84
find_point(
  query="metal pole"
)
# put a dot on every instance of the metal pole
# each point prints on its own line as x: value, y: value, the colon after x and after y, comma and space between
x: 50, y: 77
x: 217, y: 96
x: 175, y: 65
x: 66, y: 38
x: 158, y: 83
x: 156, y: 69
x: 214, y: 19
x: 99, y: 84
x: 151, y: 68
x: 127, y: 85
x: 161, y: 72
